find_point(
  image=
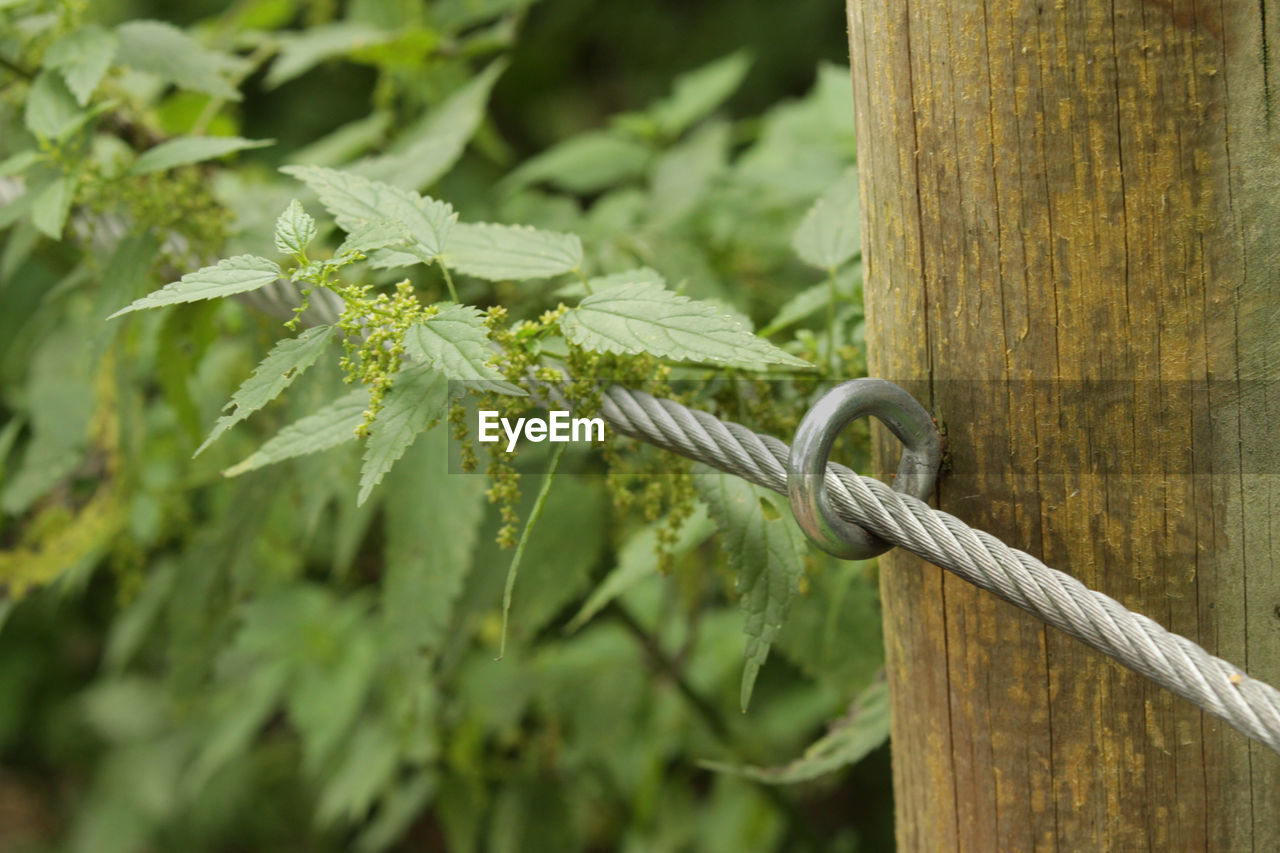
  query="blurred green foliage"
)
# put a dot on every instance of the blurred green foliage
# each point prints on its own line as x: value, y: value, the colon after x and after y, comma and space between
x: 195, y: 662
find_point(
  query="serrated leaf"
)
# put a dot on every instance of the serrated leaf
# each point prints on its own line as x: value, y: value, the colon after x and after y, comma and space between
x: 830, y: 232
x: 431, y: 531
x: 287, y: 360
x: 511, y: 252
x: 356, y: 201
x: 335, y: 424
x: 368, y: 764
x: 803, y: 146
x: 808, y: 301
x: 587, y: 163
x: 416, y: 400
x: 400, y: 807
x: 20, y: 162
x: 850, y: 739
x: 698, y: 92
x: 50, y: 207
x: 428, y: 149
x: 833, y: 631
x: 240, y: 274
x: 83, y: 57
x: 326, y: 698
x: 295, y: 229
x: 237, y: 716
x: 638, y: 559
x: 379, y: 234
x: 164, y: 50
x: 300, y: 52
x: 765, y: 550
x: 682, y: 175
x: 348, y: 141
x: 455, y: 342
x: 643, y: 317
x: 51, y: 111
x: 185, y: 150
x: 603, y: 282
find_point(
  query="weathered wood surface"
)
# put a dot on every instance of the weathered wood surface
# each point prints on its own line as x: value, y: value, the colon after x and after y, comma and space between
x: 1072, y: 231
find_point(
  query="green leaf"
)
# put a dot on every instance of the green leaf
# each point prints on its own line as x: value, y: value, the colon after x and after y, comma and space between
x: 803, y: 146
x: 432, y: 528
x: 830, y: 232
x: 295, y: 229
x: 300, y: 52
x: 237, y: 716
x: 368, y: 766
x: 399, y: 809
x: 603, y: 282
x: 355, y: 201
x: 643, y: 317
x: 850, y: 739
x: 50, y: 207
x: 698, y: 92
x: 681, y: 177
x: 833, y: 631
x: 346, y: 142
x: 83, y: 57
x: 511, y: 252
x: 287, y: 360
x: 428, y: 149
x: 808, y: 301
x: 766, y: 549
x: 455, y: 342
x: 329, y: 689
x: 587, y: 163
x: 379, y: 234
x: 333, y: 425
x: 58, y: 403
x: 240, y: 274
x: 416, y: 400
x: 167, y: 52
x: 51, y: 111
x: 638, y: 559
x: 185, y: 150
x: 20, y: 162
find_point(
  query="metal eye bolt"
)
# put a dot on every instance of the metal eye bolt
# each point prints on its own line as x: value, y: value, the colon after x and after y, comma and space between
x: 807, y: 463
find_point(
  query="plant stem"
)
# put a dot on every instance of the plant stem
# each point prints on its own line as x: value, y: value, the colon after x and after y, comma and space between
x: 524, y: 539
x: 583, y: 278
x: 448, y: 279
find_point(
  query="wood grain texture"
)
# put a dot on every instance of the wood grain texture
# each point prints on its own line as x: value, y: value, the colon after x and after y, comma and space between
x: 1071, y: 218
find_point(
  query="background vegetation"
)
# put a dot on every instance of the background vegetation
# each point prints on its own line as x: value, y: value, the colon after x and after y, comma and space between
x: 196, y: 662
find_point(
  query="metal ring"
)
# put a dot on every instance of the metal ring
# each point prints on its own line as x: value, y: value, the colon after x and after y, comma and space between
x: 807, y: 463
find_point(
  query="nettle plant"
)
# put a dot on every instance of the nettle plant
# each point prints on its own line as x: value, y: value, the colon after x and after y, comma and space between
x: 403, y: 353
x: 360, y: 594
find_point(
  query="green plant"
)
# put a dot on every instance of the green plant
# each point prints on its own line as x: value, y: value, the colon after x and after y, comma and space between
x: 304, y: 652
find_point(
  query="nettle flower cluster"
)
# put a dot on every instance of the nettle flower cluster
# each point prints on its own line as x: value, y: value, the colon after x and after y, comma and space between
x: 402, y: 353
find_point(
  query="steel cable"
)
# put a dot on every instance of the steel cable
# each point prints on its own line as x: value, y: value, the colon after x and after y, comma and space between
x: 1096, y: 619
x: 1173, y: 661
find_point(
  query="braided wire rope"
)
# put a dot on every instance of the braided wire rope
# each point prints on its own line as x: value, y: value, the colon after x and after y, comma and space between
x: 1172, y: 661
x: 1176, y: 663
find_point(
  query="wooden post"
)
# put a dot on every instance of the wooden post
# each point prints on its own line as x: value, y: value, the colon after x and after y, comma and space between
x: 1072, y: 231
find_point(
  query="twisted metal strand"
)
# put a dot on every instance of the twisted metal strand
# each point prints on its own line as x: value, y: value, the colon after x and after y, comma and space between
x: 1173, y: 661
x: 1250, y: 705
